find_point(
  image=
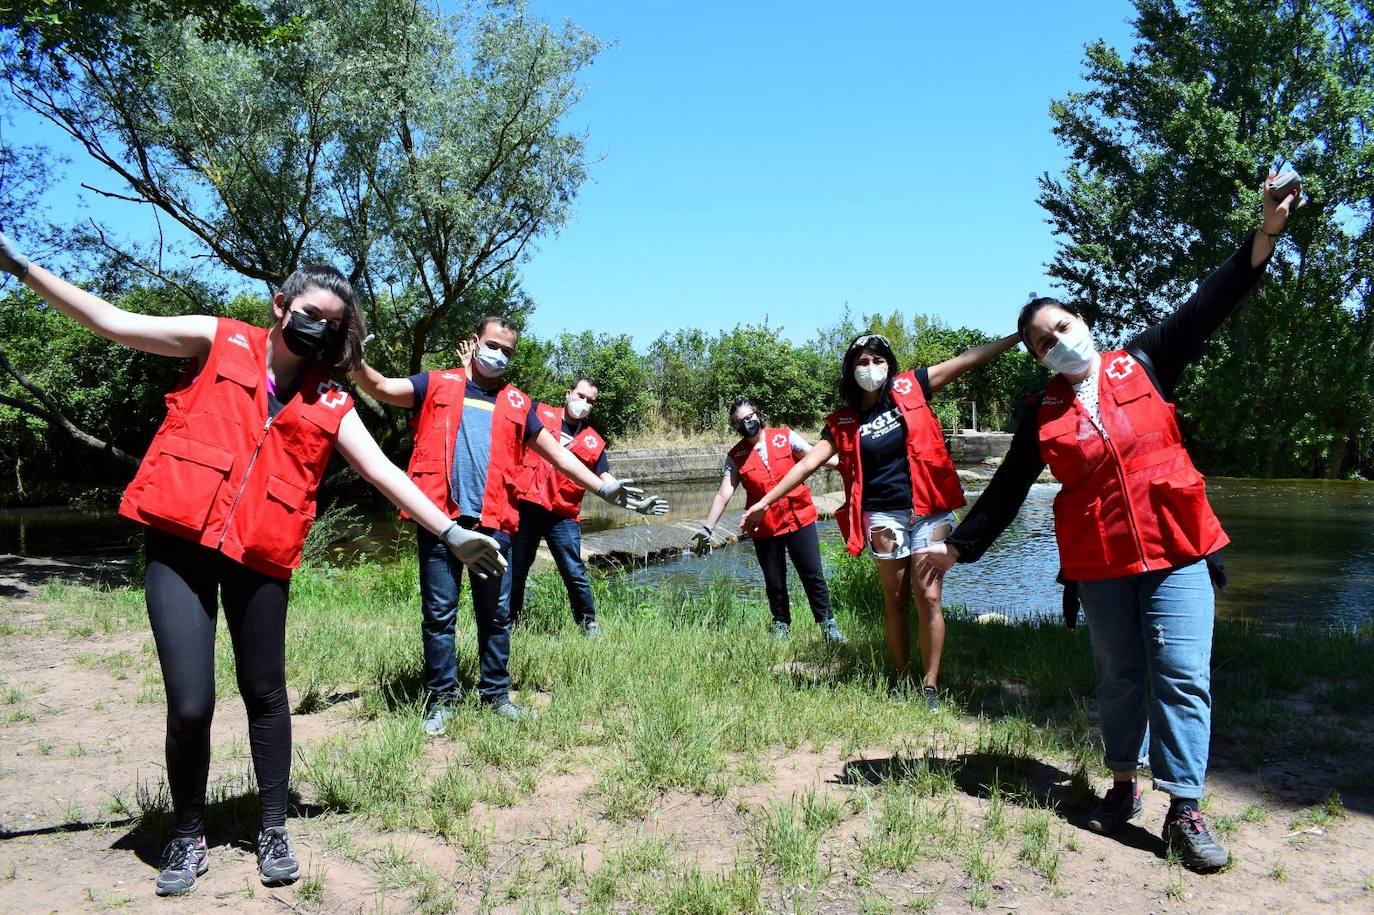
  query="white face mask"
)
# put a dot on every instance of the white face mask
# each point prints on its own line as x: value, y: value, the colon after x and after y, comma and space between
x: 493, y: 362
x: 577, y: 407
x: 1074, y: 352
x: 870, y: 377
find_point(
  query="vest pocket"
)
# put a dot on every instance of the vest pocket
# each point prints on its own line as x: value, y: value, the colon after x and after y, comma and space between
x: 187, y: 481
x: 282, y: 523
x: 1181, y: 510
x: 938, y: 476
x: 1080, y: 535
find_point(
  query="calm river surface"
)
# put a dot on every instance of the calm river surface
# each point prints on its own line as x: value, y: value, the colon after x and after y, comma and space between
x: 1301, y: 551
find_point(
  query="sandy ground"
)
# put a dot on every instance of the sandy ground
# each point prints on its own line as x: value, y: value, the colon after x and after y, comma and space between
x: 70, y: 770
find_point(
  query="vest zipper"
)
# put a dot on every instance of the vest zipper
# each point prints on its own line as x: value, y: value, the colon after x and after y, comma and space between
x: 252, y: 458
x: 1125, y: 490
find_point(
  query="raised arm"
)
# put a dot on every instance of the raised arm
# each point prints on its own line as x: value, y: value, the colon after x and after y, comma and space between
x: 355, y: 443
x: 186, y: 336
x: 399, y: 392
x: 820, y: 452
x: 943, y: 373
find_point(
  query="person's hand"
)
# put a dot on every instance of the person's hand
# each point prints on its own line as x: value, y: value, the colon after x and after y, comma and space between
x: 465, y: 350
x: 621, y: 493
x: 1276, y: 212
x: 11, y: 261
x: 478, y: 552
x: 753, y: 517
x: 701, y: 540
x: 938, y: 558
x: 650, y: 505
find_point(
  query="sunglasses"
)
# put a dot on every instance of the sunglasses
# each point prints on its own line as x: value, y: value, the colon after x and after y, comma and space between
x: 869, y: 338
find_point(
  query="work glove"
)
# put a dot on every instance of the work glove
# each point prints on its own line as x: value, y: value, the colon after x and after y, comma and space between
x: 11, y: 261
x: 701, y: 540
x: 652, y: 505
x: 478, y: 552
x: 621, y: 493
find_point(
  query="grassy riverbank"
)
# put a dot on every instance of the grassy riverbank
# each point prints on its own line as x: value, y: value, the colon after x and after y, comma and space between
x: 686, y: 763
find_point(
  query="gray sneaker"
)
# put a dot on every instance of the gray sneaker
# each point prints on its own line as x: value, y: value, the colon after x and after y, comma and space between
x: 277, y: 863
x: 591, y: 629
x: 436, y: 720
x: 182, y: 862
x: 508, y: 709
x: 778, y: 631
x: 1186, y: 834
x: 830, y: 631
x: 932, y: 698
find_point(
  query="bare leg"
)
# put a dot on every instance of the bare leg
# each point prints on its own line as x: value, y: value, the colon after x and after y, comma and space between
x: 931, y: 621
x: 894, y: 576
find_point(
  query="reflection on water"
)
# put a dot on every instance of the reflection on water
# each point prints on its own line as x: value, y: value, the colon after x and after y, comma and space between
x: 1302, y: 550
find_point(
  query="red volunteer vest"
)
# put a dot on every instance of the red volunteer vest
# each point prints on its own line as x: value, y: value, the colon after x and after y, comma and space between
x: 1132, y: 502
x: 934, y: 481
x: 220, y: 473
x: 793, y: 511
x: 435, y: 429
x: 543, y: 484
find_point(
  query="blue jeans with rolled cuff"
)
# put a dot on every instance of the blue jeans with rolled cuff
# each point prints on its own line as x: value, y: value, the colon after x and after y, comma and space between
x: 441, y: 576
x: 564, y: 537
x: 1152, y: 649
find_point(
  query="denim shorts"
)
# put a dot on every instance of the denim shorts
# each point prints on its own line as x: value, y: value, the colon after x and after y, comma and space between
x: 913, y: 531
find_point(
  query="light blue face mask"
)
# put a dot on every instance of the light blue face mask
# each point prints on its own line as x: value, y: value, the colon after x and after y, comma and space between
x: 492, y: 362
x: 1074, y: 352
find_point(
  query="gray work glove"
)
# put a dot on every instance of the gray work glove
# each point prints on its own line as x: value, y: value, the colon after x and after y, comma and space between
x: 478, y: 552
x: 652, y: 505
x: 11, y: 261
x: 701, y: 540
x: 621, y: 493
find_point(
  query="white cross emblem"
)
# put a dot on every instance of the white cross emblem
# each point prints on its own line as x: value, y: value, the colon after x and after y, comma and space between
x: 1121, y: 367
x: 902, y: 386
x: 331, y: 394
x: 517, y: 400
x: 589, y: 441
x: 779, y: 440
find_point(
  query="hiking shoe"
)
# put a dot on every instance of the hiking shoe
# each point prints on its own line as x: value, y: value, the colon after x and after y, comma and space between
x: 832, y: 634
x: 1186, y: 835
x: 591, y: 629
x: 182, y: 862
x: 1119, y: 806
x: 509, y: 710
x: 436, y: 720
x: 778, y: 631
x: 932, y: 698
x: 277, y: 863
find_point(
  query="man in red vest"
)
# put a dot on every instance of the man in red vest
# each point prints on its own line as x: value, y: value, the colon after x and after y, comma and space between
x: 471, y: 432
x: 551, y: 505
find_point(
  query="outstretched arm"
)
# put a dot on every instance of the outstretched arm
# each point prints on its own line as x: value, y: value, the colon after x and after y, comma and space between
x: 399, y: 392
x: 943, y: 373
x: 617, y: 492
x: 186, y: 336
x: 728, y: 483
x: 820, y: 452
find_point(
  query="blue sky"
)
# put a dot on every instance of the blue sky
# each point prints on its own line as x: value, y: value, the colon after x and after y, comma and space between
x: 779, y: 160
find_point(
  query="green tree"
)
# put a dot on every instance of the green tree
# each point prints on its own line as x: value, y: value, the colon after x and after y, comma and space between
x: 1168, y: 147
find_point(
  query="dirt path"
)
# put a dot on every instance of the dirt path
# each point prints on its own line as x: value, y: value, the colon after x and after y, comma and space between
x: 81, y: 728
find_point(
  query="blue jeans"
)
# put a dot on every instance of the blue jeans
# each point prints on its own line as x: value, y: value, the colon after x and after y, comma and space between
x: 441, y: 578
x: 1152, y: 648
x: 564, y: 537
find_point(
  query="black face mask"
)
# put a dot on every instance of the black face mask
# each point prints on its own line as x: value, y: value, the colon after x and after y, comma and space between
x: 305, y: 336
x: 750, y: 427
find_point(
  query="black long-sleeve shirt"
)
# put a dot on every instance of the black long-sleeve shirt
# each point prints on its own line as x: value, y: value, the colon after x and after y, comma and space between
x: 1164, y: 349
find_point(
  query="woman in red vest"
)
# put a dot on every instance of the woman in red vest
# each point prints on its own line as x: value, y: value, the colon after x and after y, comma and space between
x: 900, y: 484
x: 227, y: 490
x: 1134, y: 529
x: 763, y: 456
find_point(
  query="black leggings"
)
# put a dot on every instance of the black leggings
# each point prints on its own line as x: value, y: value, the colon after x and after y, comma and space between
x: 183, y: 585
x: 805, y: 549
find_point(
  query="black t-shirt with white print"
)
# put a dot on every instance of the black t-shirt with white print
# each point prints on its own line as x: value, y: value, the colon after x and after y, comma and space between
x: 882, y: 454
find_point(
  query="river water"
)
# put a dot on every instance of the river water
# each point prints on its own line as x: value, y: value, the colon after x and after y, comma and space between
x: 1302, y: 550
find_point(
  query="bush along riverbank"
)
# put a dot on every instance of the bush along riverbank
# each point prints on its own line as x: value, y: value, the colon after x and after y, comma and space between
x: 684, y: 763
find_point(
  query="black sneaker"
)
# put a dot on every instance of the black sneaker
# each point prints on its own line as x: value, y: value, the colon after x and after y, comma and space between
x: 277, y: 863
x: 932, y: 698
x: 1119, y: 806
x: 182, y: 862
x: 1186, y: 835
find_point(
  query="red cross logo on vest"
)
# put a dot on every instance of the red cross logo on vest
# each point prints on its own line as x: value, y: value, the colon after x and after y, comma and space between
x: 779, y: 440
x: 1121, y: 367
x: 902, y: 386
x: 331, y: 394
x: 589, y: 441
x: 517, y: 400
